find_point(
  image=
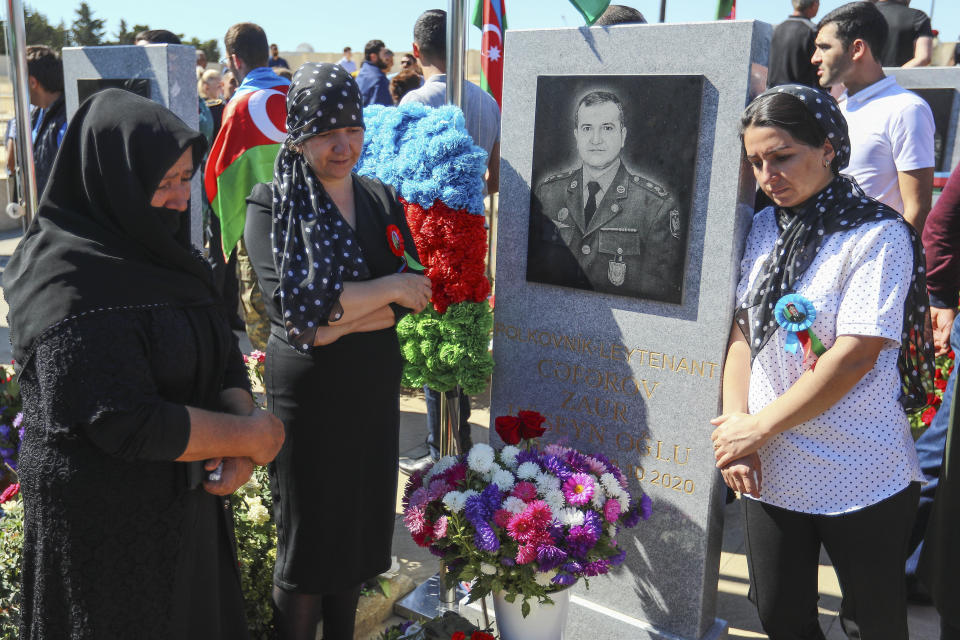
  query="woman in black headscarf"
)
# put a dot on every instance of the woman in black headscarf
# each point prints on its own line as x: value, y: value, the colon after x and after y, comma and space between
x: 330, y: 249
x: 134, y: 392
x: 826, y: 353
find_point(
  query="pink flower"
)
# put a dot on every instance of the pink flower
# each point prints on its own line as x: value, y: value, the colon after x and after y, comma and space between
x: 539, y: 513
x: 438, y: 489
x: 596, y: 466
x: 526, y: 491
x: 501, y: 518
x: 419, y: 497
x: 259, y: 356
x: 578, y: 489
x: 455, y: 474
x: 440, y: 528
x: 415, y: 520
x: 611, y: 510
x: 526, y: 554
x: 522, y: 527
x: 10, y: 492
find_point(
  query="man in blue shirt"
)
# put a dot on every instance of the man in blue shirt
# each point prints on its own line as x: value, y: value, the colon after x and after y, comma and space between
x: 373, y: 83
x: 275, y: 59
x: 49, y: 121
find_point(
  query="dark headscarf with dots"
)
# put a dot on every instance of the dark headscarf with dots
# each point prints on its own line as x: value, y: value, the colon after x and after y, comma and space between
x: 314, y: 249
x: 841, y: 206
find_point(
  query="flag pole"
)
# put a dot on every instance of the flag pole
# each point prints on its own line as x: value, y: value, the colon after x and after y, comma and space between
x: 456, y: 50
x: 17, y: 48
x: 663, y: 10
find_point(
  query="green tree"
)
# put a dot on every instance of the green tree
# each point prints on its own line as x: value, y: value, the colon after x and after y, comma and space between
x: 86, y: 30
x: 123, y: 35
x: 40, y: 31
x: 209, y: 47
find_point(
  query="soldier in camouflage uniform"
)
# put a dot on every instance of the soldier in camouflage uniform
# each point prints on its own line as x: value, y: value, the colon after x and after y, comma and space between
x: 601, y: 227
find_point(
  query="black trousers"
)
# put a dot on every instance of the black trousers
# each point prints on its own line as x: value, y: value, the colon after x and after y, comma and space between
x: 867, y: 547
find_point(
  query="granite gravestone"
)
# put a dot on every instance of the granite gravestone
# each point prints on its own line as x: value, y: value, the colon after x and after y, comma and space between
x: 165, y: 73
x: 940, y: 87
x: 613, y: 323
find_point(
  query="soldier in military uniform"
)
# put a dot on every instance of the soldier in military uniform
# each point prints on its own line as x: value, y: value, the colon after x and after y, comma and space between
x: 601, y: 227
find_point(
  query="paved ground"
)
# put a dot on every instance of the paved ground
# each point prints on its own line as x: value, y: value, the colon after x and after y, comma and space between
x: 732, y: 604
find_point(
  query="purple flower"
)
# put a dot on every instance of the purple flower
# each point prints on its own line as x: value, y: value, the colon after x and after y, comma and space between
x: 618, y: 558
x: 646, y: 507
x: 7, y: 452
x: 581, y: 540
x: 476, y: 510
x: 573, y: 567
x: 550, y: 557
x: 592, y: 521
x: 556, y: 531
x: 437, y: 551
x: 18, y: 419
x: 563, y: 579
x: 555, y: 466
x: 492, y: 498
x: 578, y: 489
x: 577, y: 460
x: 527, y: 456
x: 507, y: 561
x: 485, y: 539
x: 596, y: 568
x: 4, y: 430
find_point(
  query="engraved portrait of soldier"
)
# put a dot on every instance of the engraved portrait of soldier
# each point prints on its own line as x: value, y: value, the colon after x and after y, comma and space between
x: 603, y: 224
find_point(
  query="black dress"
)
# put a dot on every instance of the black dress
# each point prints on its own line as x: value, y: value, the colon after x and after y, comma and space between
x: 119, y: 541
x: 334, y: 482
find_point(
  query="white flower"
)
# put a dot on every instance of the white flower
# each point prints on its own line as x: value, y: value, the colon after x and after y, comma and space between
x: 508, y: 455
x: 488, y: 476
x: 623, y: 500
x: 454, y: 501
x: 611, y: 530
x: 468, y: 493
x: 12, y: 507
x: 547, y: 483
x: 440, y: 466
x: 503, y: 479
x: 488, y: 569
x: 544, y: 579
x: 528, y: 470
x: 554, y: 499
x: 599, y: 497
x: 258, y: 514
x: 480, y: 458
x: 570, y: 517
x: 609, y: 482
x: 514, y: 504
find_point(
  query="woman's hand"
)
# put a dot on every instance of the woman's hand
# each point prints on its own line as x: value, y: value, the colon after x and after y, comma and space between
x: 744, y: 475
x: 737, y: 435
x: 411, y: 290
x: 235, y: 473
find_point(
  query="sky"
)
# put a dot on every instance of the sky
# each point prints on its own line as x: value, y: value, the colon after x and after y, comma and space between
x: 329, y: 25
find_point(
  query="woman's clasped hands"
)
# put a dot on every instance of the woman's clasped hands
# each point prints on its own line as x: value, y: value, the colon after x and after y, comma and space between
x: 736, y: 439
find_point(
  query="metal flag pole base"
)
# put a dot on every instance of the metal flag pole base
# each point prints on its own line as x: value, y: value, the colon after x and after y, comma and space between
x: 430, y: 600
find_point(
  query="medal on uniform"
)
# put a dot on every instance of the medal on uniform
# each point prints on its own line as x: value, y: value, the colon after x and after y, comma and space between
x: 796, y: 314
x: 395, y: 240
x: 617, y: 270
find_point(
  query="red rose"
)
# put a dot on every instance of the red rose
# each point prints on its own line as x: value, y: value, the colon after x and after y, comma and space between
x: 927, y: 416
x: 530, y: 422
x: 951, y: 354
x: 481, y: 635
x: 938, y: 374
x: 508, y: 428
x: 9, y: 492
x: 940, y: 384
x: 458, y: 635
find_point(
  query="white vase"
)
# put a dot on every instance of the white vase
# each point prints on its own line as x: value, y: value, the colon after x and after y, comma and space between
x: 545, y: 621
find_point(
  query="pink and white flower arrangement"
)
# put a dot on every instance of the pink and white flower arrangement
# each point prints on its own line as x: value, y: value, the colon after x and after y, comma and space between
x: 529, y: 521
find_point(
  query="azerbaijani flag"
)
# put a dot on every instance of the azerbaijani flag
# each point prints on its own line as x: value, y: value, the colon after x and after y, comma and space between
x: 254, y: 125
x: 490, y: 16
x: 726, y: 9
x: 591, y: 9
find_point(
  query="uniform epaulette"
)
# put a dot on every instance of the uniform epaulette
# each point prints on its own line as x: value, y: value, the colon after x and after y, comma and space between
x: 650, y: 186
x: 560, y: 176
x: 213, y: 102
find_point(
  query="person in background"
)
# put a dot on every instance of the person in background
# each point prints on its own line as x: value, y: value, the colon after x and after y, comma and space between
x: 275, y: 59
x: 126, y: 478
x: 891, y: 129
x: 482, y: 118
x: 409, y: 61
x: 387, y: 62
x: 228, y: 85
x: 373, y: 83
x: 850, y: 270
x: 242, y: 156
x: 941, y: 239
x: 619, y: 14
x: 910, y: 39
x: 201, y: 60
x: 333, y: 354
x: 792, y: 46
x: 209, y: 85
x: 347, y: 60
x: 49, y: 121
x: 403, y: 83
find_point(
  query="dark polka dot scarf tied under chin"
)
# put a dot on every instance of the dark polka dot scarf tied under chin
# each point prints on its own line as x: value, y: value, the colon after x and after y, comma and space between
x: 314, y: 250
x: 839, y: 207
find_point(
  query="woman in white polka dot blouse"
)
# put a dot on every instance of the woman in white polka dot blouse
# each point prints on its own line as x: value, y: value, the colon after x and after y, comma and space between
x: 824, y: 354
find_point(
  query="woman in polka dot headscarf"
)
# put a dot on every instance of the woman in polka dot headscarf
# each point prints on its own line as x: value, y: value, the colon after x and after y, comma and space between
x: 826, y: 352
x: 329, y: 248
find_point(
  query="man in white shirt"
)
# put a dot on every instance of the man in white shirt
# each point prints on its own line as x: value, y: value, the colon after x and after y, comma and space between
x: 891, y: 129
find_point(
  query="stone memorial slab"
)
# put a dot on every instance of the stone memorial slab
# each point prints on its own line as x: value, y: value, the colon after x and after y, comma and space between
x: 612, y: 317
x: 940, y: 87
x: 164, y: 73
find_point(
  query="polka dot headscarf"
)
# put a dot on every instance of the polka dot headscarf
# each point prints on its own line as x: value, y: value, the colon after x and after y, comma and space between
x: 314, y: 250
x: 842, y: 205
